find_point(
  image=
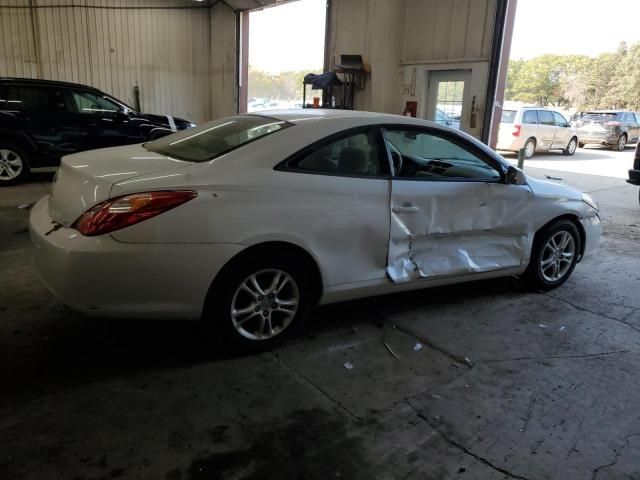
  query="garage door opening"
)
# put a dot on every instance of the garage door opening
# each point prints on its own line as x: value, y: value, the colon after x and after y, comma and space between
x: 586, y: 73
x: 284, y: 44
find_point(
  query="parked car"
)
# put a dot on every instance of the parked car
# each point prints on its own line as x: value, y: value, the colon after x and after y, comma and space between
x: 611, y: 128
x: 536, y: 129
x: 247, y: 222
x: 42, y: 120
x: 634, y: 173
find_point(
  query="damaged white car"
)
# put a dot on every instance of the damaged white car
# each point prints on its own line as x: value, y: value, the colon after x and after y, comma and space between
x: 249, y: 221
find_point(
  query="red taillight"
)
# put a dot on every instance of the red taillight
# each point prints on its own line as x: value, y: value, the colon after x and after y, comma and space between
x: 516, y: 130
x: 121, y: 212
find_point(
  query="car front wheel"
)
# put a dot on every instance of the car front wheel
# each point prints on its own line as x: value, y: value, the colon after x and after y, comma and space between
x: 14, y: 165
x: 554, y: 255
x: 571, y: 147
x: 258, y: 302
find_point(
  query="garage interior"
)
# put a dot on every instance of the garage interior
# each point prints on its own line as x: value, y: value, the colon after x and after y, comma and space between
x: 484, y: 380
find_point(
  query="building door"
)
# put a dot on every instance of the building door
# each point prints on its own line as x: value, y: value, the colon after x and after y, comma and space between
x: 447, y: 98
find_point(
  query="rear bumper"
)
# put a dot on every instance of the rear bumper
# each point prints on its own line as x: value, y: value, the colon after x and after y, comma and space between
x: 104, y: 277
x: 593, y: 230
x: 604, y: 138
x: 513, y: 144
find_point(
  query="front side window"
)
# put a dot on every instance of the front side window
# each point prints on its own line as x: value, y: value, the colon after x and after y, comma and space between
x: 422, y: 155
x: 530, y: 117
x: 213, y: 139
x: 88, y: 102
x: 546, y: 117
x: 560, y: 120
x: 359, y: 154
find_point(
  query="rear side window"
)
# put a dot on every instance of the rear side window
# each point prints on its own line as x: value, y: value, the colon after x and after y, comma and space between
x: 629, y: 118
x: 530, y: 117
x: 213, y: 139
x: 3, y: 97
x: 546, y: 117
x: 508, y: 116
x: 35, y: 99
x: 359, y: 153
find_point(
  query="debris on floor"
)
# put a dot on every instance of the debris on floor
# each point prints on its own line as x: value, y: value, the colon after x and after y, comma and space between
x: 391, y: 351
x: 348, y: 365
x: 418, y: 346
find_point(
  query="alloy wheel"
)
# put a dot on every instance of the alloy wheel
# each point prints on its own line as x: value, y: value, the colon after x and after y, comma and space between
x: 10, y: 164
x: 529, y: 149
x: 264, y: 304
x: 572, y: 147
x: 622, y: 142
x: 557, y: 256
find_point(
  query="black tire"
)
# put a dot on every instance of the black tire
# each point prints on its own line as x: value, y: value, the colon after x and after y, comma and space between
x: 570, y: 149
x: 9, y: 155
x: 529, y: 147
x: 581, y: 145
x: 620, y: 144
x: 534, y: 274
x: 217, y: 313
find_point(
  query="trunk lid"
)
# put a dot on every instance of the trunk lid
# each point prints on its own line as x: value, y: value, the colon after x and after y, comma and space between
x: 85, y: 179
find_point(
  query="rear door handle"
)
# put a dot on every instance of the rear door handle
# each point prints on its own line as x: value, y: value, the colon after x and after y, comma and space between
x: 405, y: 208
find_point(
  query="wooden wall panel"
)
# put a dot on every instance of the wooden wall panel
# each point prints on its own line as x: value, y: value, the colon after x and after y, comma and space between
x: 114, y: 45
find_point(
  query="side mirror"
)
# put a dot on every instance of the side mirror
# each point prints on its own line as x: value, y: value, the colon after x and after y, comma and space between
x: 515, y: 176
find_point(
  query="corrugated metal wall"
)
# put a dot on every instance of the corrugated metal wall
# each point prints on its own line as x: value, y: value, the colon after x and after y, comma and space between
x: 450, y: 30
x: 164, y: 46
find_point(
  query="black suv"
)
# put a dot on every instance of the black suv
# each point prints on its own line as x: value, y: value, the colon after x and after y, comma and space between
x: 43, y: 120
x: 634, y: 173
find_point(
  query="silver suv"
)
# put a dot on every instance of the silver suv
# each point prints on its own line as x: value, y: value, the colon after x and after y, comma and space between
x: 536, y: 129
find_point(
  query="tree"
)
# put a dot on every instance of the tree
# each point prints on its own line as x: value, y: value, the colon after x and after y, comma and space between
x: 610, y: 80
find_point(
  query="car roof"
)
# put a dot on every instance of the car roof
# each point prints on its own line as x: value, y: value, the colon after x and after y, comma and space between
x: 300, y: 115
x: 607, y: 111
x: 37, y: 81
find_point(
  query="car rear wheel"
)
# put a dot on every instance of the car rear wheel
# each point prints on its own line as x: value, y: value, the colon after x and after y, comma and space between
x: 621, y: 143
x: 529, y: 148
x: 554, y: 255
x: 571, y: 147
x: 581, y: 145
x: 258, y: 302
x: 14, y: 165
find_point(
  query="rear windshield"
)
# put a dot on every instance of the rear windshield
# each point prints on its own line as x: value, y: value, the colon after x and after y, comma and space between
x: 599, y: 117
x: 508, y: 116
x: 213, y: 139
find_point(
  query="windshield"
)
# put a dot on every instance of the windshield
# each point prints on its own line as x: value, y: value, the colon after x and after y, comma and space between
x: 598, y: 117
x: 213, y: 139
x: 508, y: 116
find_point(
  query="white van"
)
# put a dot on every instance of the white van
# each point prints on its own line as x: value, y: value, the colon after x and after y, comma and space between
x: 536, y: 129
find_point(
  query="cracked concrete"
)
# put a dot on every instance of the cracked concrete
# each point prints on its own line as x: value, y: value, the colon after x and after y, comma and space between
x: 508, y: 384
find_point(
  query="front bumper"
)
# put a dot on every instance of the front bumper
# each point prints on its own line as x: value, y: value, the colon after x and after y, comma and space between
x: 593, y: 231
x: 101, y: 276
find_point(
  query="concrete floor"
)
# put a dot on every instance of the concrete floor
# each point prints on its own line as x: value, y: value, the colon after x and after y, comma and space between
x: 507, y: 384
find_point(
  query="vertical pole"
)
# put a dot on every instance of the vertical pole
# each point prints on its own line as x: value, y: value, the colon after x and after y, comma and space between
x: 521, y: 159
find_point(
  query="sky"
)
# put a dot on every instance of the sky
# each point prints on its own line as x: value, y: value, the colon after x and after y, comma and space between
x: 288, y: 37
x: 586, y: 27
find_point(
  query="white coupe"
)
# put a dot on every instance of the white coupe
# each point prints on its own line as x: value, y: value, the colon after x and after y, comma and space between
x: 249, y: 221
